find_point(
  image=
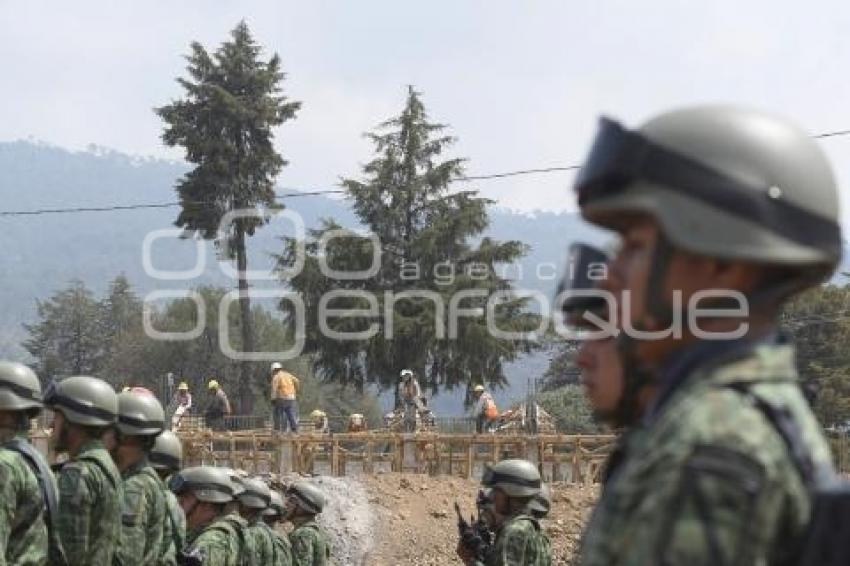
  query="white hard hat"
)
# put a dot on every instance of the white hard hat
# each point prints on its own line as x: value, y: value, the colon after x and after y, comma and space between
x: 276, y: 366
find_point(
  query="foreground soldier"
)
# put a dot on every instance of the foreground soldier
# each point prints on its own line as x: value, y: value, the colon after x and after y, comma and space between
x: 519, y: 540
x: 273, y: 515
x: 310, y: 545
x: 165, y: 458
x: 146, y: 536
x: 214, y: 539
x: 90, y: 492
x: 712, y: 198
x: 252, y: 502
x: 27, y: 486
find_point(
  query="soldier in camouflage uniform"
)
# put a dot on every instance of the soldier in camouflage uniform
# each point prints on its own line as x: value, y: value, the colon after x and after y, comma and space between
x: 90, y: 492
x: 213, y: 537
x: 25, y: 522
x: 145, y: 528
x: 252, y: 502
x: 519, y: 540
x: 272, y: 516
x: 710, y: 198
x: 310, y: 544
x: 165, y: 458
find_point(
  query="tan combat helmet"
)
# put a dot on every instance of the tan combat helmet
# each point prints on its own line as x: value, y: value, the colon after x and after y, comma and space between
x: 139, y: 414
x: 517, y: 478
x: 307, y: 496
x: 84, y: 400
x: 167, y: 452
x: 207, y: 483
x: 20, y: 389
x: 721, y: 181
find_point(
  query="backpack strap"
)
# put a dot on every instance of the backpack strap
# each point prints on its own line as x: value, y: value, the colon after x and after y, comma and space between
x: 49, y: 496
x: 114, y: 480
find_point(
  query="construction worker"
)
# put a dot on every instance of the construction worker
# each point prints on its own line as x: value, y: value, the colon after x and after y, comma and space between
x: 182, y: 404
x: 272, y: 515
x: 485, y: 410
x: 146, y: 536
x: 90, y: 487
x: 218, y: 407
x: 165, y: 458
x: 311, y: 546
x: 410, y: 392
x: 320, y: 421
x: 518, y: 536
x: 27, y: 487
x: 213, y: 537
x: 284, y: 390
x: 727, y: 455
x: 356, y: 423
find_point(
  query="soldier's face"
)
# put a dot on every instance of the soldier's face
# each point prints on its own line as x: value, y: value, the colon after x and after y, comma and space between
x: 631, y: 266
x: 58, y: 433
x: 601, y: 375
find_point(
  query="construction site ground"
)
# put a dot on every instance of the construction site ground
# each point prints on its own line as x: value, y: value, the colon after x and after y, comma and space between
x: 394, y: 519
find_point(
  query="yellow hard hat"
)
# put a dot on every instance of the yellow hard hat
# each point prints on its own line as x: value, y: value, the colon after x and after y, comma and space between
x: 478, y: 389
x: 317, y: 413
x: 185, y: 386
x: 213, y: 384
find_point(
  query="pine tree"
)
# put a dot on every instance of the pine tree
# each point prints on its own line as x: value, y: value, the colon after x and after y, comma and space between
x: 425, y: 232
x: 67, y: 339
x: 233, y: 100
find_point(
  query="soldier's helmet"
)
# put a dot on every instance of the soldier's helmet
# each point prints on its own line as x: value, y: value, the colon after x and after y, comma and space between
x: 167, y: 452
x: 276, y: 506
x: 576, y: 286
x: 517, y: 478
x: 307, y: 496
x: 84, y: 400
x: 207, y: 483
x: 20, y: 389
x: 721, y: 181
x: 541, y: 503
x: 139, y: 414
x: 256, y: 494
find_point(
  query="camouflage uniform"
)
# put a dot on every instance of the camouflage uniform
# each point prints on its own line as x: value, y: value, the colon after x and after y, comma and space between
x: 177, y: 522
x: 707, y: 479
x: 263, y: 540
x: 146, y: 530
x: 220, y: 543
x: 519, y: 542
x: 23, y: 532
x: 282, y: 547
x: 90, y: 493
x: 310, y: 545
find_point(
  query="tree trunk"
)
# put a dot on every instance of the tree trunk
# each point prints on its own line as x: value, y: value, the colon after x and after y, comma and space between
x: 246, y: 395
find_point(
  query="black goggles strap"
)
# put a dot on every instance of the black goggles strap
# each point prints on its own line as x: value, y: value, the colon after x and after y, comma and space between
x: 620, y: 156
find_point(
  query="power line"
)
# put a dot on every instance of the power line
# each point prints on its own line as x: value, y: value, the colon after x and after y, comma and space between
x: 297, y: 194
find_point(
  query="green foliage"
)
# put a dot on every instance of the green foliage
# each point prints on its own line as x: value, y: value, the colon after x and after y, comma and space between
x: 562, y: 369
x: 570, y: 409
x: 233, y: 101
x: 424, y: 232
x: 78, y: 334
x: 819, y: 323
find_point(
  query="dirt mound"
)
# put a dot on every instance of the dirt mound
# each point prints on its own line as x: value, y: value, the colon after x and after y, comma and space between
x: 416, y: 523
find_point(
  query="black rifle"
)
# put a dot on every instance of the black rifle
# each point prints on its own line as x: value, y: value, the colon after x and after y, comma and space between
x: 470, y: 537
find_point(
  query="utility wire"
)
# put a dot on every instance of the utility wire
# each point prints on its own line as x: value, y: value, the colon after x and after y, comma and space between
x: 519, y: 172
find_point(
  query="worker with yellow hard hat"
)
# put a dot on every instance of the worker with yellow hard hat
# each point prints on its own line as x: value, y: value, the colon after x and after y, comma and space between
x: 218, y: 406
x: 485, y: 410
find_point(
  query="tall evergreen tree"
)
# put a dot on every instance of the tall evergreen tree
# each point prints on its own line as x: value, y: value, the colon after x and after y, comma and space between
x: 232, y: 101
x: 425, y: 232
x: 67, y: 339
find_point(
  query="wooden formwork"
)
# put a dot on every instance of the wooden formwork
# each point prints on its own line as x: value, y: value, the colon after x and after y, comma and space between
x: 575, y: 458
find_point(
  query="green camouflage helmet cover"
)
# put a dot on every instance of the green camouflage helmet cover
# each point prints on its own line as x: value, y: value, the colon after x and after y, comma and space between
x: 721, y: 181
x: 517, y: 478
x: 307, y: 496
x: 84, y: 400
x: 167, y: 452
x: 139, y: 414
x: 20, y: 389
x: 207, y: 483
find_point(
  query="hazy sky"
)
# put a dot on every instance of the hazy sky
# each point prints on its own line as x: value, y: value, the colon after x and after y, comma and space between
x: 521, y: 83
